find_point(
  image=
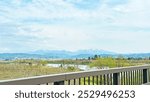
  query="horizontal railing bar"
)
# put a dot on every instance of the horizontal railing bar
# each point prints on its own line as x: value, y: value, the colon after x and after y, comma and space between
x: 34, y: 80
x: 68, y: 76
x: 103, y: 71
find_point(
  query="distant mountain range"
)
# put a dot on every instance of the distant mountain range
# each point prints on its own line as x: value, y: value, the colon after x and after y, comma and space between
x: 54, y: 54
x: 60, y: 52
x: 71, y: 54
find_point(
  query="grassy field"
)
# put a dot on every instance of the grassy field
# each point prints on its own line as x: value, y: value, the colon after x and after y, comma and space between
x: 19, y: 70
x: 26, y: 68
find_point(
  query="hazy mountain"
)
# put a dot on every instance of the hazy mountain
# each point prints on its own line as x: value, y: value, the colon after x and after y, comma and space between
x: 66, y: 54
x: 136, y: 55
x: 10, y: 56
x: 43, y: 52
x: 93, y: 52
x: 90, y: 51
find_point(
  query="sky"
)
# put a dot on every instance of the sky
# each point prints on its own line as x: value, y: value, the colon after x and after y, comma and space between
x: 121, y: 26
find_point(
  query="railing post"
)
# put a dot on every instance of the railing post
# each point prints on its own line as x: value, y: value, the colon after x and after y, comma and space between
x: 145, y: 76
x: 59, y: 83
x: 116, y: 79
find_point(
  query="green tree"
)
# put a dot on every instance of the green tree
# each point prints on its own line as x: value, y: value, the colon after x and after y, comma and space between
x: 95, y: 57
x: 101, y: 63
x: 43, y: 62
x: 121, y: 61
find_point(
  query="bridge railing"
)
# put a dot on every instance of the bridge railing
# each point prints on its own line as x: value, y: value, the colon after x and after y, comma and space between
x: 135, y: 75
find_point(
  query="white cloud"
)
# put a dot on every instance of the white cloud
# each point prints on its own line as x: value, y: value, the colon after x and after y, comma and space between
x: 65, y: 24
x: 134, y: 14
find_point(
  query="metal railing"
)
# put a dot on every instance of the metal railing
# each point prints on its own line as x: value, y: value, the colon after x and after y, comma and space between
x: 135, y: 75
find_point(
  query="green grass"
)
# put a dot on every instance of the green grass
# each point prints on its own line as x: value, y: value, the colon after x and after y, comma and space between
x: 19, y: 70
x: 27, y: 68
x: 70, y: 61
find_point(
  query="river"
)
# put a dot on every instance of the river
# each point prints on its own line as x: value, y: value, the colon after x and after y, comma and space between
x: 82, y: 67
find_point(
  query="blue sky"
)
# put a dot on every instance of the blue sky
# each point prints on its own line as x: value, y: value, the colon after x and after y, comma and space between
x: 121, y: 26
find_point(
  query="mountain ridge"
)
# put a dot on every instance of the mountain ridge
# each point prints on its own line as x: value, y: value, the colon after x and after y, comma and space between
x: 85, y: 51
x: 64, y: 54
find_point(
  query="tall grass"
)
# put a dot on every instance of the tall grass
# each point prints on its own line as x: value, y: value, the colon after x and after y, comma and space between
x: 19, y: 70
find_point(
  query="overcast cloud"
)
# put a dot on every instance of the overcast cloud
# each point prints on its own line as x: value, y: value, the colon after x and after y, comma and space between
x: 116, y: 25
